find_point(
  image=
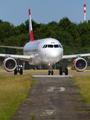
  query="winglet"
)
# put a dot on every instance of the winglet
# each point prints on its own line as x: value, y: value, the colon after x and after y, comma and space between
x: 30, y: 28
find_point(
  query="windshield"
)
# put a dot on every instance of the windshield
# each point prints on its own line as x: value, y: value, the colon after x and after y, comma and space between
x: 52, y: 46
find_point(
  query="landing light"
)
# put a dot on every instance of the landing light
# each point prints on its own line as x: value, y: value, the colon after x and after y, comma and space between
x: 49, y: 64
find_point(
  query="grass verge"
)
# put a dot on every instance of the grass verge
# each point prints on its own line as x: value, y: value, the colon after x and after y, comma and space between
x: 2, y: 70
x: 83, y: 82
x: 13, y: 91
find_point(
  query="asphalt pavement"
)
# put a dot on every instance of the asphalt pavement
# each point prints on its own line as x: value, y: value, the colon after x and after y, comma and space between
x: 53, y: 98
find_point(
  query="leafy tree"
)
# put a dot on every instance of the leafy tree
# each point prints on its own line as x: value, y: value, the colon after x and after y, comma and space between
x: 64, y: 23
x: 75, y: 38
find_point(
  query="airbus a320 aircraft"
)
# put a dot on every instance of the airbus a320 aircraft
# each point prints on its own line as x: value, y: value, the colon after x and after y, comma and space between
x: 42, y: 52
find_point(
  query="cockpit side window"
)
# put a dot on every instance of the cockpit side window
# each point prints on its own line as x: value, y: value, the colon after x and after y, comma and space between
x: 60, y: 46
x: 44, y: 46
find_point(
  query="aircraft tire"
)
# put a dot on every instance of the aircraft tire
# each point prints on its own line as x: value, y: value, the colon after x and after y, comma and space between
x: 60, y: 71
x: 15, y: 72
x: 48, y: 72
x: 21, y: 71
x: 66, y: 71
x: 52, y: 73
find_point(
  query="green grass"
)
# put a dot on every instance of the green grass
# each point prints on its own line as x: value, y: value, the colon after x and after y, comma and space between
x: 13, y: 91
x: 33, y: 116
x: 83, y: 82
x: 39, y: 70
x: 2, y: 70
x: 31, y: 70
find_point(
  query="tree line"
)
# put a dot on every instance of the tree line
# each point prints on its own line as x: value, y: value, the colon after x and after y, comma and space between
x: 75, y: 38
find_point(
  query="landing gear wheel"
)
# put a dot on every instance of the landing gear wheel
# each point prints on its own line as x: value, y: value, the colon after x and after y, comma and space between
x: 21, y: 71
x: 66, y: 71
x: 60, y: 71
x: 48, y: 72
x: 51, y: 72
x: 15, y: 72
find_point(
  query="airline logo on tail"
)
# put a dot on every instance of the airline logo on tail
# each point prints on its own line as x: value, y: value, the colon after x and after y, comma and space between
x: 30, y: 28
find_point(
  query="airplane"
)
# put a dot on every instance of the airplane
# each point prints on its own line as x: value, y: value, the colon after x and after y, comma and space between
x: 46, y: 51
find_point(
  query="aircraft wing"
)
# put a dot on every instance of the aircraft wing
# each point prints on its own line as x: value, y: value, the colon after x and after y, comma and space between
x: 21, y: 57
x: 75, y: 56
x: 11, y: 47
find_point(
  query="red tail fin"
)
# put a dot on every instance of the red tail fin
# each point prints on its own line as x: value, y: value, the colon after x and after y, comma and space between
x: 30, y: 28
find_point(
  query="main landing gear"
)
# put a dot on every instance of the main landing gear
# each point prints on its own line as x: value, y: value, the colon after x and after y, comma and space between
x: 50, y: 71
x: 18, y: 69
x: 65, y: 70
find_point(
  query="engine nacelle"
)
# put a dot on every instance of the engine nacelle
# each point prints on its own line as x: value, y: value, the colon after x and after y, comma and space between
x: 9, y: 64
x: 80, y: 64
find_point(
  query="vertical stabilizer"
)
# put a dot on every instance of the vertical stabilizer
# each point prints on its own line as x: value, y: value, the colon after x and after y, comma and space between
x: 30, y: 28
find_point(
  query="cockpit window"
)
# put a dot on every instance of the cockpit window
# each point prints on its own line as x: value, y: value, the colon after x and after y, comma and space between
x: 56, y: 46
x: 60, y: 46
x: 51, y: 46
x: 44, y: 46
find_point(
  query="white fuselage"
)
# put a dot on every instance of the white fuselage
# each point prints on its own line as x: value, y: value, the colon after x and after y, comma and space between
x: 44, y: 51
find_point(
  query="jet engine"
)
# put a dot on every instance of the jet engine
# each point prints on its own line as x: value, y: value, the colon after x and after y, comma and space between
x: 80, y: 64
x: 9, y: 64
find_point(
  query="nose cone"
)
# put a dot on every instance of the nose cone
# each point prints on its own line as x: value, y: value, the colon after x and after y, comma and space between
x: 54, y: 55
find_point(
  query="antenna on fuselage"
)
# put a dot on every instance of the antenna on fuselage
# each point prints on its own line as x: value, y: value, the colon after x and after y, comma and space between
x: 30, y: 28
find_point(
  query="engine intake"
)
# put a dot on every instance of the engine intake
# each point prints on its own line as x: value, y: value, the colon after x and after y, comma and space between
x: 9, y: 64
x: 80, y: 64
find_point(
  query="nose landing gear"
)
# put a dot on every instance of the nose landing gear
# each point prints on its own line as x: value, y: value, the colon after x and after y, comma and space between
x: 50, y: 71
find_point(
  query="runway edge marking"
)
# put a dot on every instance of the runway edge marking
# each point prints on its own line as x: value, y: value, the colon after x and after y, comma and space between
x: 52, y: 75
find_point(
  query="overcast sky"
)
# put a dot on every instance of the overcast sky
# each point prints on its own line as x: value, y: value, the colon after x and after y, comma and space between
x: 43, y: 11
